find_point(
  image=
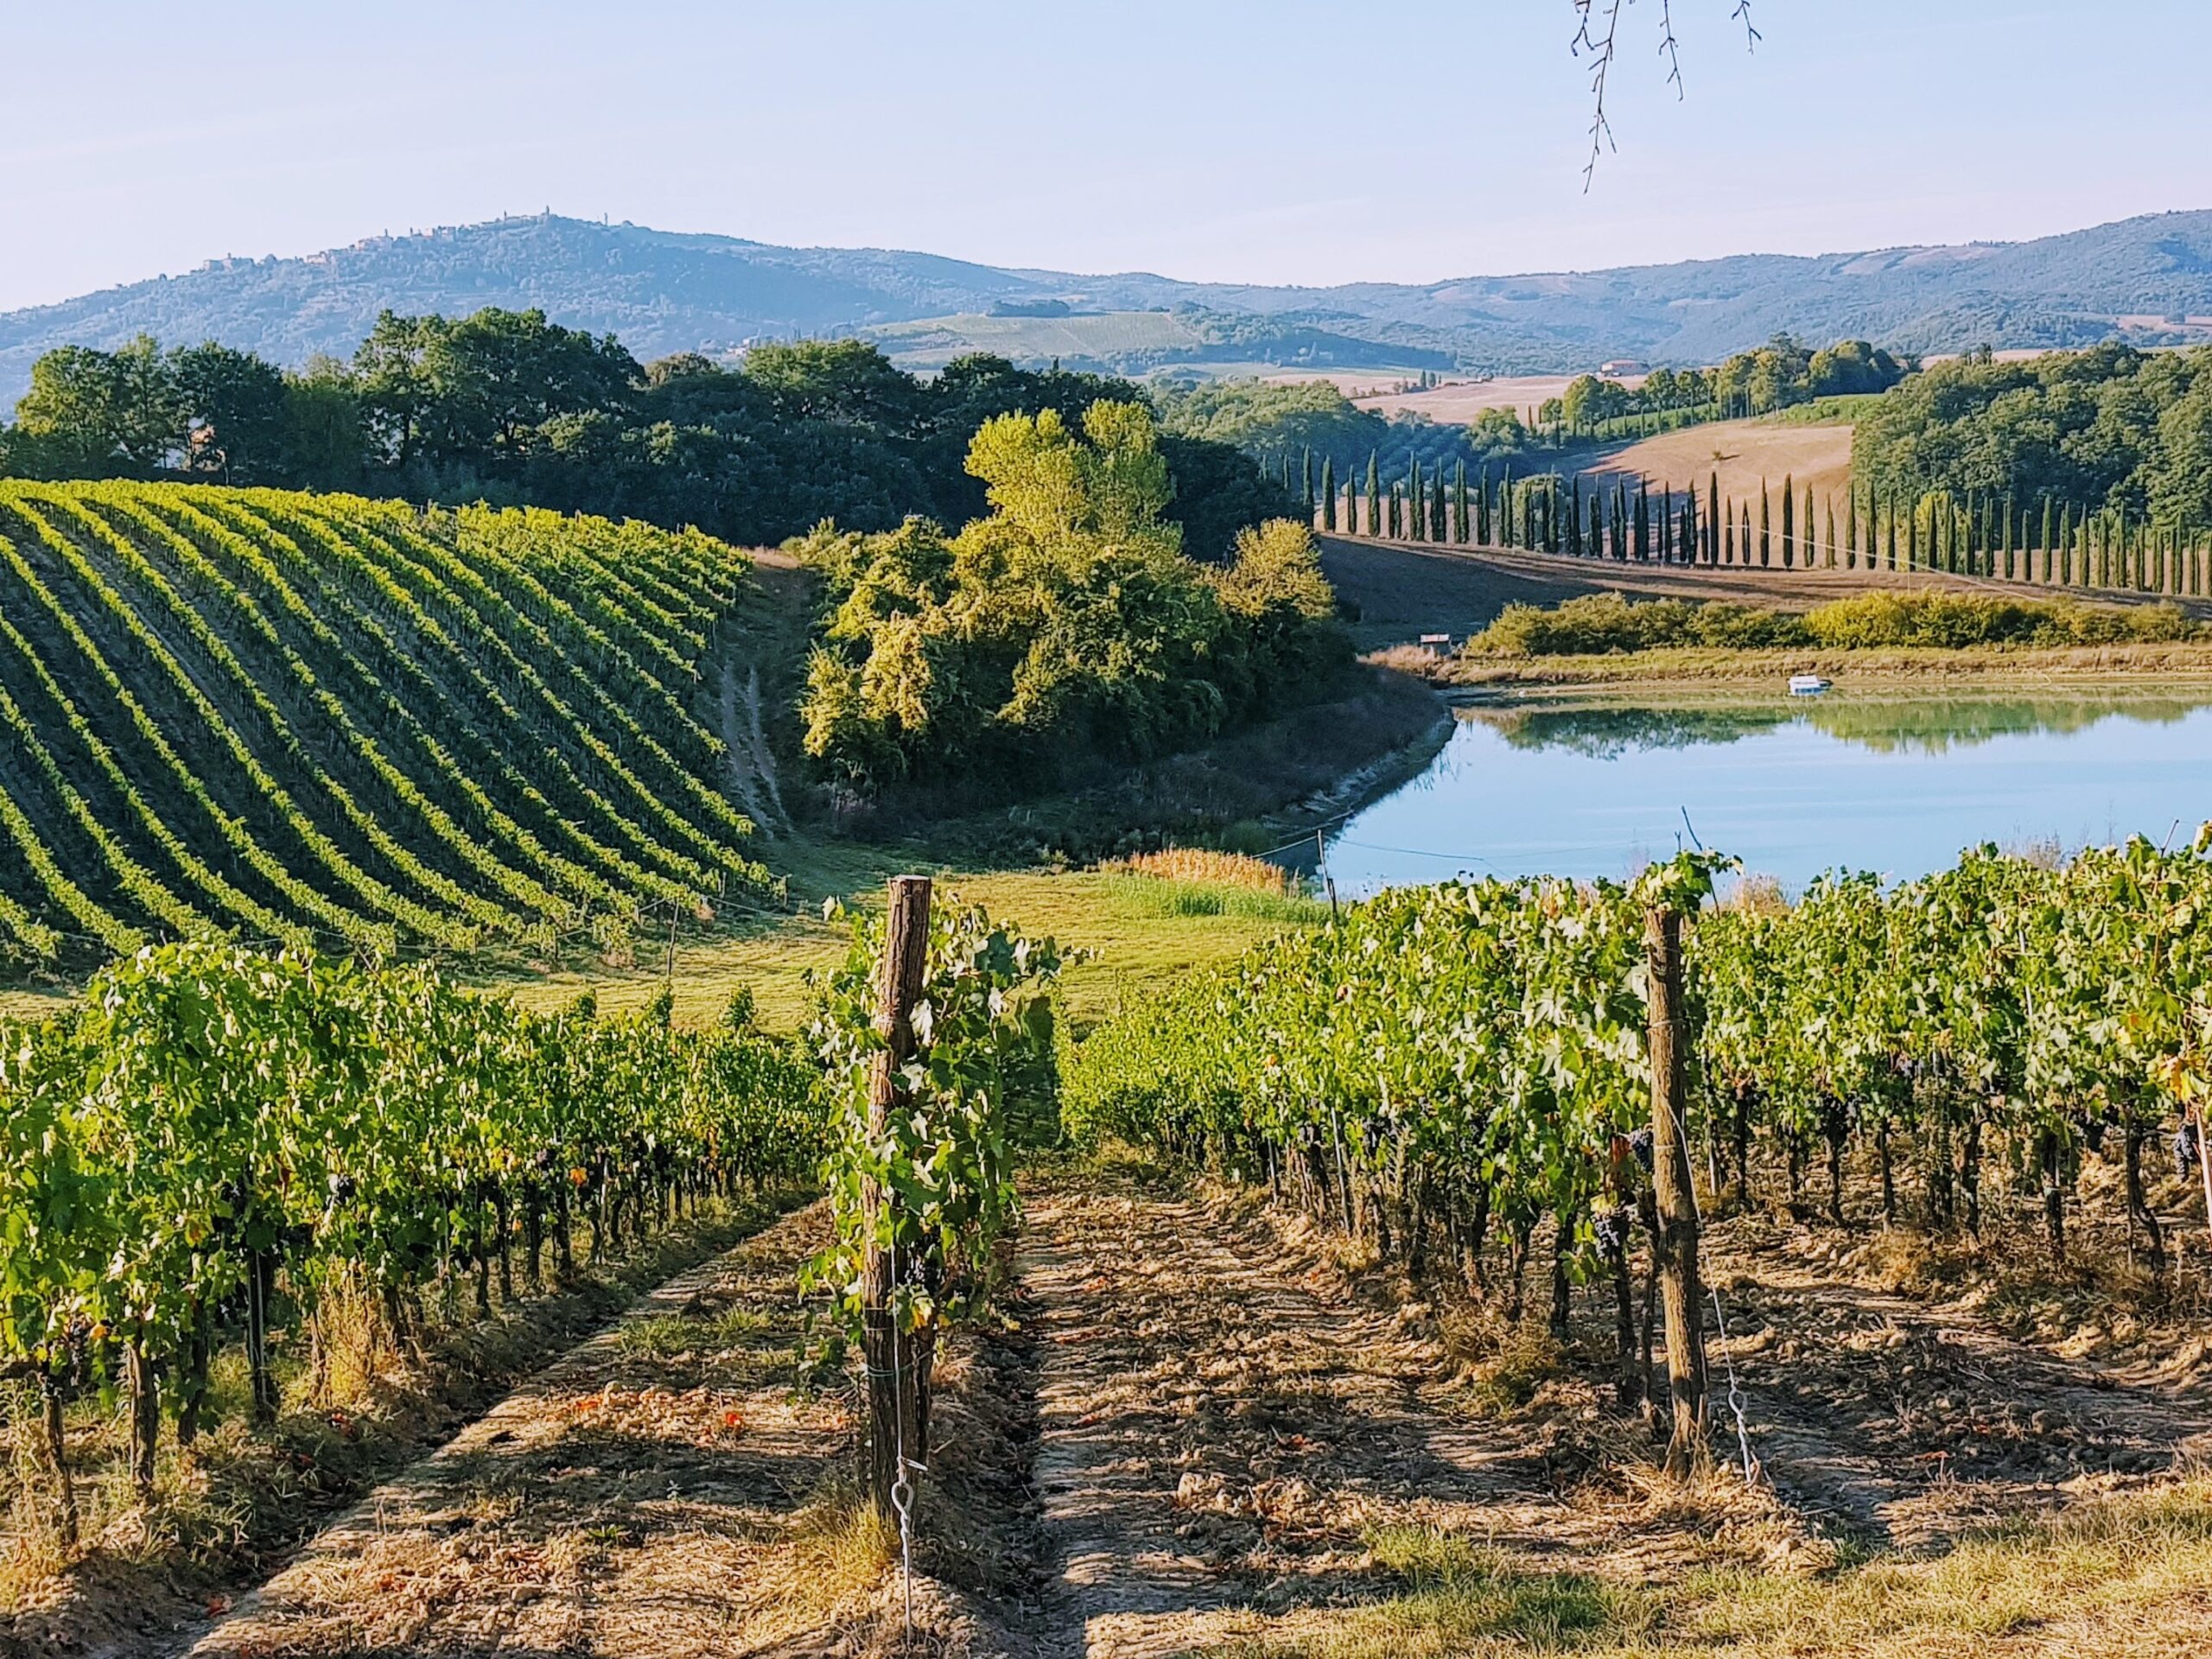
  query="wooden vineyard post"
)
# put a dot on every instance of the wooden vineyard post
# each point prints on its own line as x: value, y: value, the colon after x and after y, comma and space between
x: 894, y: 1392
x: 1671, y: 1186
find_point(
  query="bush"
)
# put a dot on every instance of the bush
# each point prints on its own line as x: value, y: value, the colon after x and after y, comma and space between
x: 1950, y: 620
x: 1605, y: 624
x: 1066, y: 627
x: 1600, y: 624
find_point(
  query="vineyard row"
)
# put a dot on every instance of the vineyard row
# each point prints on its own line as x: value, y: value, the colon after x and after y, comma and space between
x: 321, y: 720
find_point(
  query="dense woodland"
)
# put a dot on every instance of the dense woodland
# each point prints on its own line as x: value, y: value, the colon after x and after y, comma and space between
x: 2108, y: 429
x: 1065, y: 627
x: 507, y: 408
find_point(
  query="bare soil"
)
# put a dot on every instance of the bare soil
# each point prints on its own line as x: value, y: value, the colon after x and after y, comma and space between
x: 1233, y: 1417
x: 1206, y: 1426
x: 622, y: 1502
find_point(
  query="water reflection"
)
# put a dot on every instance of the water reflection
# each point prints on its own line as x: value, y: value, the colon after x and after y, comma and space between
x: 1933, y: 726
x: 1792, y: 786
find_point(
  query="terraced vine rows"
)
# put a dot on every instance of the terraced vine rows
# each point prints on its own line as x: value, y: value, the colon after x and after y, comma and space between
x: 321, y: 720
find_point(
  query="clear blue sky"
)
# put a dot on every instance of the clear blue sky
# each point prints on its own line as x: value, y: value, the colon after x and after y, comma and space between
x: 1262, y: 140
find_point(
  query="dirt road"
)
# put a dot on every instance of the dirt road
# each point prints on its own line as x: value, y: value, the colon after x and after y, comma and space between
x: 1402, y: 591
x: 1210, y: 1427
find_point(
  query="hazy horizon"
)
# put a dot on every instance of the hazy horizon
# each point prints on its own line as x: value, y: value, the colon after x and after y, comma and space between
x: 1277, y: 145
x: 556, y: 211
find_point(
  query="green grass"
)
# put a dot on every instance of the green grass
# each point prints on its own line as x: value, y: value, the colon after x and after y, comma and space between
x: 1142, y: 936
x: 2107, y: 1578
x: 1844, y: 411
x: 663, y: 1336
x: 1147, y: 895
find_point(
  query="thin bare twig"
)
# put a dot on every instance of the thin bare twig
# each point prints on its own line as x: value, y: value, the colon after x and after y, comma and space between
x: 1601, y: 132
x: 1601, y: 46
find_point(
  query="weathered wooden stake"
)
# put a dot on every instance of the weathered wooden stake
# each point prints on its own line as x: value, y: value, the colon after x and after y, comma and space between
x: 1676, y: 1238
x: 893, y: 1380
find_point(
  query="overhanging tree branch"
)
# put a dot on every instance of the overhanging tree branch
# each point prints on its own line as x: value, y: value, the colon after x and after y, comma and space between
x: 1602, y: 45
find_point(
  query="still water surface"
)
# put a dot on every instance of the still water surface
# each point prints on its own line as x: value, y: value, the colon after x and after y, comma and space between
x: 1791, y: 787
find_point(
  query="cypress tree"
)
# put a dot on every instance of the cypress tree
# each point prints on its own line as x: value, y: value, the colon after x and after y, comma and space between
x: 1482, y: 507
x: 1693, y: 531
x: 1743, y: 541
x: 1712, y: 516
x: 1789, y: 512
x: 1460, y: 529
x: 1666, y: 523
x: 1831, y: 507
x: 1893, y: 532
x: 1641, y: 528
x: 1505, y: 507
x: 1416, y: 499
x: 1851, y: 526
x: 1328, y: 492
x: 1306, y: 479
x: 1528, y: 516
x: 2064, y: 545
x: 1374, y: 495
x: 1397, y: 512
x: 1912, y: 536
x: 1807, y: 554
x: 1766, y: 523
x: 1437, y: 530
x: 2049, y: 539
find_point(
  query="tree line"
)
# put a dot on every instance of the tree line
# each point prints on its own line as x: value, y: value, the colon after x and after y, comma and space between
x: 2044, y: 542
x: 2108, y: 432
x: 510, y: 408
x: 1778, y: 375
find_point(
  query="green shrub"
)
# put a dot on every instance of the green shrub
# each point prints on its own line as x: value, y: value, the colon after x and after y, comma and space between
x: 1599, y: 624
x: 1604, y: 623
x: 1868, y: 621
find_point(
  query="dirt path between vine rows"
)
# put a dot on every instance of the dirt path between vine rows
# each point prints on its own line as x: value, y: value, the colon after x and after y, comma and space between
x: 1226, y: 1419
x: 641, y: 1497
x: 1218, y: 1424
x: 1902, y: 1421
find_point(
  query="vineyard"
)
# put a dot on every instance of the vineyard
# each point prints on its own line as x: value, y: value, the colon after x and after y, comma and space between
x: 218, y: 1144
x: 1460, y: 1074
x: 324, y: 722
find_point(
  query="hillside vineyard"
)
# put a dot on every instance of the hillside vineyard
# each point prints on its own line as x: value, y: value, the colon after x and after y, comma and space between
x: 323, y: 721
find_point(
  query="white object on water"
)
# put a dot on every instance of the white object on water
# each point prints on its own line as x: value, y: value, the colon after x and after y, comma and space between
x: 1807, y: 685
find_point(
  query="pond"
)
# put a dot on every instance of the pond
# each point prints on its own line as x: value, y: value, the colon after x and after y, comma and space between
x: 1791, y: 785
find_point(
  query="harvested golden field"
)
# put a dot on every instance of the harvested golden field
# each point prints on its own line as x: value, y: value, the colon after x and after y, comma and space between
x: 1743, y: 453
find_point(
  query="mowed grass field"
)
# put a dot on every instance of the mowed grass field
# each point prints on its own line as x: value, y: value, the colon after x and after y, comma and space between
x: 1138, y: 936
x: 1458, y: 403
x: 1744, y: 453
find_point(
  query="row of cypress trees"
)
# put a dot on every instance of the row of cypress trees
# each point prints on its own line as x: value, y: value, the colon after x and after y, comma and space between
x: 1982, y: 535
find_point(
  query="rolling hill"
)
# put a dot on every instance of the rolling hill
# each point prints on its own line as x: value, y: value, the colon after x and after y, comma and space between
x: 2149, y: 279
x: 323, y: 720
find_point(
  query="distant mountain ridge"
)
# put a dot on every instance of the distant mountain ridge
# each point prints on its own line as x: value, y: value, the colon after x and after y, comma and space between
x: 2147, y: 279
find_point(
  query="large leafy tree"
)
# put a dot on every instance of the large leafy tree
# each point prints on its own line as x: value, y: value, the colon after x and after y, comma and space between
x: 1067, y: 622
x: 236, y: 411
x: 92, y: 413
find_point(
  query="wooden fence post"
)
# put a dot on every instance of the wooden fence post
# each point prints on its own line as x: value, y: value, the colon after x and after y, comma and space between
x: 894, y: 1411
x: 1676, y: 1237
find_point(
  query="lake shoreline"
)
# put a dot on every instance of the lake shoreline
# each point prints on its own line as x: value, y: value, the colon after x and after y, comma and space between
x: 2079, y: 668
